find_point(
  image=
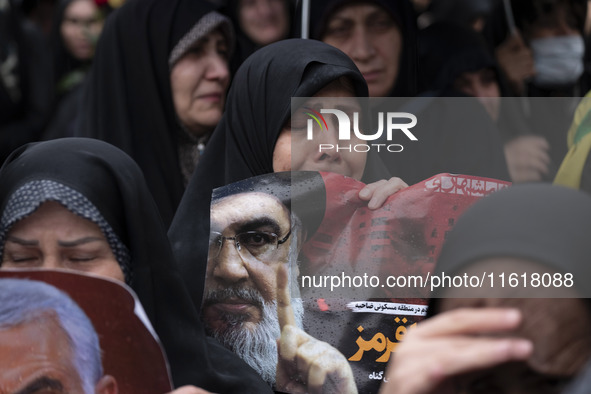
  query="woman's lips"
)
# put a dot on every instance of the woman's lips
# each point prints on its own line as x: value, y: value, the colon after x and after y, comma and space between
x: 212, y: 97
x: 372, y: 76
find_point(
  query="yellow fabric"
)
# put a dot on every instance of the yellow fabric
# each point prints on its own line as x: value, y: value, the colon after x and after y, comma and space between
x: 570, y: 171
x: 582, y: 110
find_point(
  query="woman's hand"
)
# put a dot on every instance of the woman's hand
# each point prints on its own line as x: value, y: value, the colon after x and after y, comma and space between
x: 451, y: 344
x: 378, y: 192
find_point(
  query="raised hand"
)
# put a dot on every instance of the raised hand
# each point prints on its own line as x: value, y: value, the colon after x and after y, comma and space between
x: 450, y: 344
x: 305, y: 364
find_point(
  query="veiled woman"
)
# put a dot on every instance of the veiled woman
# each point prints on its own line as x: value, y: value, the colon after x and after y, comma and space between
x: 157, y: 89
x: 82, y: 204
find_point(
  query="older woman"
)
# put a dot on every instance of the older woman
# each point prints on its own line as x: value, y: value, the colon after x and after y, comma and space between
x: 380, y: 36
x: 157, y: 88
x: 83, y: 204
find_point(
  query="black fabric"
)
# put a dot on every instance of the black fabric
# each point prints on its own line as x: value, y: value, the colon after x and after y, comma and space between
x: 64, y: 122
x: 496, y: 31
x: 242, y: 145
x: 128, y: 100
x: 460, y: 12
x: 455, y: 135
x: 540, y: 222
x: 552, y: 124
x: 245, y: 46
x: 403, y: 13
x: 295, y: 189
x: 446, y: 51
x: 452, y: 138
x: 67, y: 97
x: 63, y: 61
x: 25, y: 103
x: 527, y: 11
x: 115, y: 185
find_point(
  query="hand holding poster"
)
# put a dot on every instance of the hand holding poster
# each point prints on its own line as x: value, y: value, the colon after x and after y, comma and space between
x: 280, y: 228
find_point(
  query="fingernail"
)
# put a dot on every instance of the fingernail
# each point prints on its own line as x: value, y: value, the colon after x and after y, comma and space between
x: 513, y: 316
x: 364, y: 193
x: 522, y: 348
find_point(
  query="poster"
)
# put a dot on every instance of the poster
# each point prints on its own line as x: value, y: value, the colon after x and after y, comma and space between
x: 131, y: 352
x: 345, y: 262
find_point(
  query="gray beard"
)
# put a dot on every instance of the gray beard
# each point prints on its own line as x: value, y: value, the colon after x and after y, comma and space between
x: 258, y: 347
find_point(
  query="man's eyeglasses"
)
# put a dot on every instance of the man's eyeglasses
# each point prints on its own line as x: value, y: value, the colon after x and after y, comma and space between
x: 258, y: 244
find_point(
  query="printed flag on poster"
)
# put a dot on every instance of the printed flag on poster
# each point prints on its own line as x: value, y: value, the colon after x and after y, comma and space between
x: 395, y: 245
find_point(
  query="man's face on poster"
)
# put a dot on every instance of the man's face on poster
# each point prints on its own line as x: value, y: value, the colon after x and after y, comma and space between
x: 250, y: 240
x: 37, y: 357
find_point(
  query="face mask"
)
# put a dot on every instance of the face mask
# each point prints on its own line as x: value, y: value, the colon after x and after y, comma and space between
x: 558, y: 60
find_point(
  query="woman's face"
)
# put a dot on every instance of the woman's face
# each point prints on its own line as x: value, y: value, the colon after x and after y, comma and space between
x: 483, y: 85
x: 558, y: 327
x: 264, y: 21
x: 295, y: 152
x: 199, y: 81
x: 53, y: 237
x: 81, y: 27
x: 369, y: 35
x: 559, y: 23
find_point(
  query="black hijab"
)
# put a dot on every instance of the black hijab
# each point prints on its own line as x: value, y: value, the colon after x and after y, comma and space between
x: 128, y: 100
x: 403, y: 13
x: 115, y: 185
x: 26, y: 88
x: 538, y: 222
x: 258, y: 105
x: 64, y: 64
x: 446, y: 51
x: 245, y: 46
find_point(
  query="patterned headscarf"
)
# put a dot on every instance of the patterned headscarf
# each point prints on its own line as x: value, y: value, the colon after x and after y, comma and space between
x: 29, y: 197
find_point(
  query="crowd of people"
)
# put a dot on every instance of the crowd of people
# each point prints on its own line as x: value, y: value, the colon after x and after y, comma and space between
x: 119, y: 121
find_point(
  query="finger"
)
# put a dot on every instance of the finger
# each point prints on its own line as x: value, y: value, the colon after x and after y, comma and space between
x: 517, y: 41
x: 538, y: 165
x: 331, y: 373
x: 472, y: 354
x: 289, y: 374
x: 285, y: 312
x: 382, y: 193
x: 532, y: 161
x: 539, y: 141
x: 468, y: 321
x: 541, y: 156
x: 367, y: 192
x: 448, y: 357
x: 533, y: 158
x: 290, y: 342
x: 313, y: 361
x: 528, y: 175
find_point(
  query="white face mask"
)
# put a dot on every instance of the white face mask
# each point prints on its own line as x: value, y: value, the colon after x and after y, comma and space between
x: 558, y: 60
